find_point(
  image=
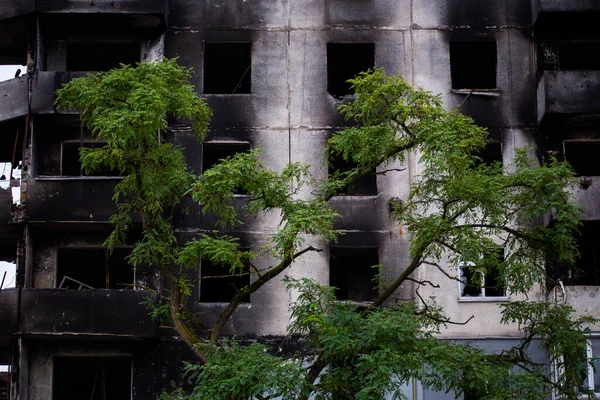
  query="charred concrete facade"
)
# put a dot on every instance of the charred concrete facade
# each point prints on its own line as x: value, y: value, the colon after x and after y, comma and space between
x: 273, y: 72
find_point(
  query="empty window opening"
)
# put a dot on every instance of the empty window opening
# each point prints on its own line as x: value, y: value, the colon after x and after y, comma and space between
x: 10, y: 179
x: 227, y: 68
x: 490, y: 154
x: 582, y: 156
x: 70, y: 158
x: 353, y: 272
x: 365, y: 186
x: 482, y: 284
x: 579, y: 55
x: 93, y: 378
x: 218, y: 285
x: 101, y: 56
x: 587, y: 267
x: 214, y: 152
x: 473, y: 65
x: 93, y: 268
x: 8, y: 72
x: 345, y: 61
x: 8, y: 275
x: 474, y: 393
x: 5, y: 381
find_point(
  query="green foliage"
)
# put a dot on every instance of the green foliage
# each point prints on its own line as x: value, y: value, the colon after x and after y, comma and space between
x: 220, y: 250
x: 233, y: 371
x: 459, y: 210
x: 563, y: 339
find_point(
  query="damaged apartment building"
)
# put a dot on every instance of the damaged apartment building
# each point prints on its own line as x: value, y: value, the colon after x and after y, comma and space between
x: 274, y: 72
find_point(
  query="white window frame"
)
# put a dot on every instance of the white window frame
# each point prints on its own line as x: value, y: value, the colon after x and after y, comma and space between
x: 558, y: 370
x: 590, y: 369
x: 483, y: 297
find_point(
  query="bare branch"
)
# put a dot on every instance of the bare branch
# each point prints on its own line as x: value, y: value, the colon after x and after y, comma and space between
x: 425, y: 282
x: 390, y: 170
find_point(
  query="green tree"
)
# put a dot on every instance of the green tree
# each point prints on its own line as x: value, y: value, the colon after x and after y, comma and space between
x: 459, y: 210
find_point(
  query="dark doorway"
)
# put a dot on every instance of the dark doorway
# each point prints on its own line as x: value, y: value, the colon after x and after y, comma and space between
x: 92, y: 378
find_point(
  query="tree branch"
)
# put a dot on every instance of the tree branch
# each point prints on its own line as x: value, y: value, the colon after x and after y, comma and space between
x: 253, y: 287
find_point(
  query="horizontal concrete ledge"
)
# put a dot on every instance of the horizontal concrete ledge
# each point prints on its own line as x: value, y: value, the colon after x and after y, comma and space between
x: 78, y: 178
x: 89, y: 312
x: 102, y: 6
x: 15, y: 8
x: 13, y: 98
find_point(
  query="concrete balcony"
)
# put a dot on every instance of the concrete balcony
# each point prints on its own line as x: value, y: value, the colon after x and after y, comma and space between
x: 568, y: 92
x: 14, y: 98
x: 89, y: 312
x: 588, y: 198
x: 359, y: 212
x: 9, y: 300
x: 583, y: 299
x: 80, y: 199
x: 44, y: 86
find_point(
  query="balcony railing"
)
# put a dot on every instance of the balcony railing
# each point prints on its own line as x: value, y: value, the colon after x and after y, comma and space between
x: 92, y: 312
x: 566, y: 92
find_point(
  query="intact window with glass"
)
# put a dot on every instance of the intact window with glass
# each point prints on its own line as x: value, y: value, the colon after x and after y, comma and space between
x: 473, y: 65
x: 227, y: 68
x: 587, y: 373
x: 592, y: 372
x: 475, y: 284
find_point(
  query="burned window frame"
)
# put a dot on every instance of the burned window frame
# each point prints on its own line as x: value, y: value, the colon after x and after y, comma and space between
x: 243, y: 86
x: 100, y: 359
x: 574, y: 163
x: 58, y: 280
x: 83, y: 143
x: 568, y: 66
x: 244, y: 146
x: 244, y: 279
x: 51, y: 133
x: 486, y: 150
x: 462, y: 285
x: 335, y: 67
x: 458, y: 72
x: 366, y: 185
x: 374, y: 270
x: 107, y: 42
